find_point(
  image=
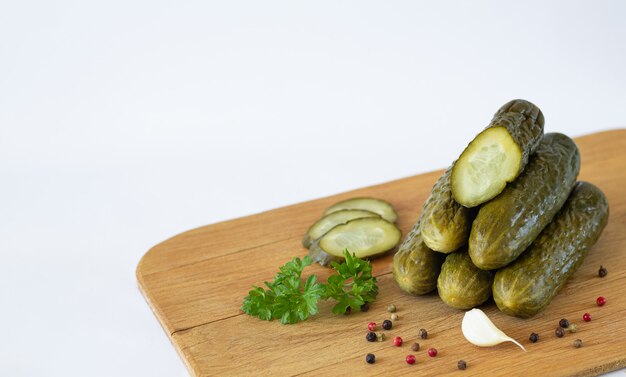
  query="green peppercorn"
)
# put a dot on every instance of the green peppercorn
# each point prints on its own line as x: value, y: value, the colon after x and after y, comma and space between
x: 602, y: 272
x: 380, y: 336
x: 564, y: 323
x: 461, y: 364
x: 578, y: 343
x: 370, y: 358
x: 572, y: 328
x: 415, y: 347
x: 559, y: 332
x: 423, y: 334
x: 391, y: 308
x: 534, y: 337
x: 394, y: 317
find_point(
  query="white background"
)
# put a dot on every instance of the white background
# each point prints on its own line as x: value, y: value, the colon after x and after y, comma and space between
x: 123, y: 123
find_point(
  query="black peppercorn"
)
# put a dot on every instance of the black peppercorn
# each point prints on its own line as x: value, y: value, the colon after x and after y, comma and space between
x: 559, y: 332
x: 461, y: 364
x: 415, y: 347
x: 602, y: 272
x: 578, y: 343
x: 534, y: 337
x: 423, y: 334
x: 564, y: 323
x: 365, y: 307
x: 387, y: 324
x: 370, y: 358
x: 371, y: 336
x: 348, y: 311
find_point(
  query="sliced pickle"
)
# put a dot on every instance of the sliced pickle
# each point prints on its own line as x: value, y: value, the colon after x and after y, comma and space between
x: 326, y: 223
x: 365, y: 238
x: 381, y: 207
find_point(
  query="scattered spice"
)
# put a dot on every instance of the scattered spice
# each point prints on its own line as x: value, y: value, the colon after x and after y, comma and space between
x: 415, y: 347
x: 564, y: 323
x: 380, y: 336
x: 394, y: 317
x: 572, y: 328
x: 559, y: 332
x: 387, y: 324
x: 348, y: 311
x: 587, y: 317
x: 365, y: 307
x: 371, y: 336
x: 370, y: 358
x: 461, y: 364
x: 602, y: 272
x: 397, y: 341
x: 391, y: 308
x: 423, y: 334
x: 432, y: 352
x: 410, y: 359
x: 578, y: 343
x: 371, y: 326
x: 600, y: 301
x: 534, y: 337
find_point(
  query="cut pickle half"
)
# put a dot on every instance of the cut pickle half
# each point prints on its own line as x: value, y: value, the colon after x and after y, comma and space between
x: 381, y: 207
x: 488, y: 163
x: 326, y: 223
x: 365, y: 238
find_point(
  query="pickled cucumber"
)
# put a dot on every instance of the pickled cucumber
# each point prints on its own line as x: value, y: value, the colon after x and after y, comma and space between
x: 331, y: 220
x: 508, y: 224
x: 462, y: 285
x: 365, y: 237
x: 498, y: 154
x: 381, y: 207
x: 526, y: 286
x: 415, y: 266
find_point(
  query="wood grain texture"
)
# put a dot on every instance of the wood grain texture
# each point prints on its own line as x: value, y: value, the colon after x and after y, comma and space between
x: 195, y: 283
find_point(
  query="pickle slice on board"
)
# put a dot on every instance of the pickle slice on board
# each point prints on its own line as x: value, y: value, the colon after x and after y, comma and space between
x: 508, y: 224
x: 415, y: 266
x: 461, y: 285
x: 381, y: 207
x: 498, y: 154
x: 326, y: 223
x: 366, y: 237
x: 445, y: 224
x: 526, y: 286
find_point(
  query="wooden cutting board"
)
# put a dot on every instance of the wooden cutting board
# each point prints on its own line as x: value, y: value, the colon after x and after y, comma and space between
x: 195, y: 283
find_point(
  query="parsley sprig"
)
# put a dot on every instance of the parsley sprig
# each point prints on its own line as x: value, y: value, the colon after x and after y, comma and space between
x: 287, y: 299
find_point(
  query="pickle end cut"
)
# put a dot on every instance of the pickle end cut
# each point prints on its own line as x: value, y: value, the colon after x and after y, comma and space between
x: 488, y: 163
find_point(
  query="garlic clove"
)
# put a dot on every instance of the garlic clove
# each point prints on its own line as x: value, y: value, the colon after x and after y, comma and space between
x: 479, y: 330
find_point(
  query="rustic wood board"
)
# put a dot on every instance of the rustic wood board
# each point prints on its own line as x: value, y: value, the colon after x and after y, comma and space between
x: 195, y: 283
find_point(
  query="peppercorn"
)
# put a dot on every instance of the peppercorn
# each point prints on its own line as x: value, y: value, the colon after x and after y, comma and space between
x: 365, y: 307
x: 461, y: 364
x: 387, y: 324
x: 600, y: 301
x: 415, y: 347
x: 559, y: 332
x: 391, y: 308
x: 423, y: 334
x: 397, y: 341
x: 394, y: 317
x: 370, y: 358
x: 578, y: 343
x: 534, y: 337
x: 371, y: 336
x: 572, y: 328
x: 586, y: 317
x: 432, y: 352
x: 410, y: 359
x: 602, y: 272
x: 564, y: 323
x: 380, y: 336
x: 348, y: 311
x: 371, y: 326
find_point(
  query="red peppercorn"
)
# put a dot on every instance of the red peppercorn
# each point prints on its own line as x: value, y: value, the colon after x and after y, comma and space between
x: 587, y: 317
x: 600, y: 301
x: 371, y: 326
x: 410, y: 359
x: 397, y: 341
x: 432, y: 352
